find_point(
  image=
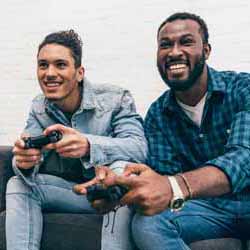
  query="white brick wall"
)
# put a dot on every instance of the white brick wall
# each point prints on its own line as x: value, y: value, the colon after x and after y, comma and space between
x: 119, y: 45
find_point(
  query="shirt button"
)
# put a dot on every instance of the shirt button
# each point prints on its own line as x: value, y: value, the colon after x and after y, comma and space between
x: 201, y: 135
x: 228, y: 131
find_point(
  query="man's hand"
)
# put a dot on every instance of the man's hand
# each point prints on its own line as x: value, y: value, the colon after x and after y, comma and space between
x: 72, y: 145
x: 149, y: 192
x: 25, y: 158
x: 102, y: 173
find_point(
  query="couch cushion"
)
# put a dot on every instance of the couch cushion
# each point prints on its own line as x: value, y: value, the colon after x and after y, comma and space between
x: 66, y: 232
x: 82, y: 232
x: 218, y: 244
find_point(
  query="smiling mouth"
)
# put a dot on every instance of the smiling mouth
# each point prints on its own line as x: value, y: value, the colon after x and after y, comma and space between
x: 52, y: 84
x: 176, y: 67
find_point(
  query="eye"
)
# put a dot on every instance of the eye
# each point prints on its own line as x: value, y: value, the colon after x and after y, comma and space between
x: 61, y: 65
x: 42, y: 65
x: 187, y: 41
x: 165, y: 44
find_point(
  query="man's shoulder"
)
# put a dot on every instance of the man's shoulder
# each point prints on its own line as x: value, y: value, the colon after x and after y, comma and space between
x: 106, y: 96
x: 110, y: 96
x: 229, y: 77
x: 107, y: 89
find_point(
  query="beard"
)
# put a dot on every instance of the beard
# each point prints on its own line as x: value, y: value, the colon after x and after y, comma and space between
x: 183, y: 85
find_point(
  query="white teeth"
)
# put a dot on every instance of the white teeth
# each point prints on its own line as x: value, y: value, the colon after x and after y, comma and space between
x: 52, y: 84
x: 177, y: 66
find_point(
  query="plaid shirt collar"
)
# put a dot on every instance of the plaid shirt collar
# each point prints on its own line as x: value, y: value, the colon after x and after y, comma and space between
x: 216, y: 88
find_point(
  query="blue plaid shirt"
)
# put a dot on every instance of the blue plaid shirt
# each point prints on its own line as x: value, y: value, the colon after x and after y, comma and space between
x: 177, y: 144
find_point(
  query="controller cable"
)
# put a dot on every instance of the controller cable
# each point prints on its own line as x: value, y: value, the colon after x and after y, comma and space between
x: 114, y: 216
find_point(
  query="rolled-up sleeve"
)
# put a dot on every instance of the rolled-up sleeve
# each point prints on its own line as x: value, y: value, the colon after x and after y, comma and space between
x: 235, y: 162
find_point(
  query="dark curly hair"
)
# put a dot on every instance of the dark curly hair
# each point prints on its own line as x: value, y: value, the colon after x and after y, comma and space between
x: 185, y: 16
x: 66, y: 38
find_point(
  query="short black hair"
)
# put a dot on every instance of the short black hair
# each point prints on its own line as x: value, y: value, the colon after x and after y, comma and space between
x: 185, y: 16
x: 66, y: 38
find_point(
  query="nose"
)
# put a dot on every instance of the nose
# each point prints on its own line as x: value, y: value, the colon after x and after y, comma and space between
x: 176, y: 51
x: 50, y: 72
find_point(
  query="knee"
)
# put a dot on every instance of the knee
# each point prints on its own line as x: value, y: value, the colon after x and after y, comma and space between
x: 148, y: 230
x: 142, y: 226
x: 16, y: 185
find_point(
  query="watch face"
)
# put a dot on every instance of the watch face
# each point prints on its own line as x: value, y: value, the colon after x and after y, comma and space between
x: 177, y: 204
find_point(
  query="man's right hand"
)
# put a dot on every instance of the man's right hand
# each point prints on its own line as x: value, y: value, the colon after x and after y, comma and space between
x: 102, y: 206
x: 149, y: 192
x: 25, y: 158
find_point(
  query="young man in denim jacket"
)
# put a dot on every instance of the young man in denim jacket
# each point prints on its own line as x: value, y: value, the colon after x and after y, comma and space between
x: 199, y: 147
x: 99, y: 126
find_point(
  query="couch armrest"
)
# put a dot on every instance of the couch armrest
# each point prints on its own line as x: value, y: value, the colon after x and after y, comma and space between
x: 5, y: 172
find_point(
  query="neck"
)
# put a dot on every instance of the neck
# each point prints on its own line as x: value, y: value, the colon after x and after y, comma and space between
x: 193, y: 95
x: 72, y: 103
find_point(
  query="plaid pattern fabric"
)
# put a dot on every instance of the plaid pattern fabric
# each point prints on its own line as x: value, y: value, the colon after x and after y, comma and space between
x: 177, y: 144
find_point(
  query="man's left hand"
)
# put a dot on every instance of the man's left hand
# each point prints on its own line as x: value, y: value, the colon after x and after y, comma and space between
x: 72, y: 145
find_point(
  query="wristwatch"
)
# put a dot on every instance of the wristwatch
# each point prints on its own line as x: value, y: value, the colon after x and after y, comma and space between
x: 178, y: 200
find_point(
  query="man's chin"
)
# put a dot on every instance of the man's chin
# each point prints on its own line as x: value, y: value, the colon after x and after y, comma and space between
x: 52, y: 98
x: 179, y: 85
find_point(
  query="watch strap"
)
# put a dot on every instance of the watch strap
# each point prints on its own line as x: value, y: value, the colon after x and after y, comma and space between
x: 175, y: 187
x: 177, y: 201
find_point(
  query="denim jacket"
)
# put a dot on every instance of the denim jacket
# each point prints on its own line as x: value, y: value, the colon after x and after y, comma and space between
x: 106, y: 116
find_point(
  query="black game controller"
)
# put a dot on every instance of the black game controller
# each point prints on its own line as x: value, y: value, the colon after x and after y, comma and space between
x: 42, y: 140
x: 111, y: 193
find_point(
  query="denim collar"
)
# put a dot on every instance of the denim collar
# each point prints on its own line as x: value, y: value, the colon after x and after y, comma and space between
x: 88, y: 96
x: 88, y: 102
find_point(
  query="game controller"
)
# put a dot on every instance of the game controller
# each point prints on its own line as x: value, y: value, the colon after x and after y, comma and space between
x: 111, y: 193
x: 42, y: 140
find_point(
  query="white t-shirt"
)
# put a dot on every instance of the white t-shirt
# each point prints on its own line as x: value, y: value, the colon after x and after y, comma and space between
x: 194, y: 112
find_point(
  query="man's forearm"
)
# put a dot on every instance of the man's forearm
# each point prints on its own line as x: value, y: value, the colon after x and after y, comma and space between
x: 105, y: 150
x: 207, y: 181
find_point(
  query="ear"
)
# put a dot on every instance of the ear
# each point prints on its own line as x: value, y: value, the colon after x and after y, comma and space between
x: 80, y: 73
x: 207, y: 50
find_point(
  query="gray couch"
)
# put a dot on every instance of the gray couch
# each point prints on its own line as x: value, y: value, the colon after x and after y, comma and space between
x: 80, y: 231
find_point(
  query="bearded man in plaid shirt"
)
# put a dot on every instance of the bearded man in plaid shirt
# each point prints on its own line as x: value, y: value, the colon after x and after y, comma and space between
x: 195, y: 185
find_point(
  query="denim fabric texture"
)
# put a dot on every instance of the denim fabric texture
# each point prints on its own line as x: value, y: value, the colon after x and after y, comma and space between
x: 177, y: 144
x: 25, y: 204
x: 107, y: 117
x: 197, y: 220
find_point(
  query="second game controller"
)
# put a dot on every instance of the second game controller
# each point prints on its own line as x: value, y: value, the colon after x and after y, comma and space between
x: 111, y: 194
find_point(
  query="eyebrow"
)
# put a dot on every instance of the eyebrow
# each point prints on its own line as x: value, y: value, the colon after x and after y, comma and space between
x: 182, y: 36
x: 56, y: 61
x: 41, y: 61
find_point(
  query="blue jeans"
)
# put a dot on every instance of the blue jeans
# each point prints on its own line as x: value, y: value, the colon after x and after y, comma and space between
x: 25, y: 204
x: 198, y: 220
